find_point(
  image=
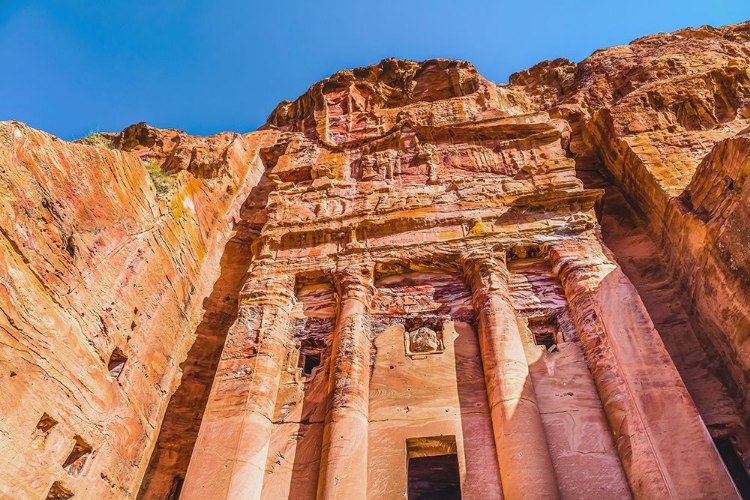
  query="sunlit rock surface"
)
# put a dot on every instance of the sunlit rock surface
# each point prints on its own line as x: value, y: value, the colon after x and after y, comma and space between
x: 545, y: 283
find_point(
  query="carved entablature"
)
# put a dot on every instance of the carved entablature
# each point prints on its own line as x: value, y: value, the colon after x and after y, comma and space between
x: 382, y: 233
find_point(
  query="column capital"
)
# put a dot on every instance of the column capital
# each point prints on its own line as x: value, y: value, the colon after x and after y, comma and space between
x: 265, y: 288
x: 486, y: 271
x: 355, y: 281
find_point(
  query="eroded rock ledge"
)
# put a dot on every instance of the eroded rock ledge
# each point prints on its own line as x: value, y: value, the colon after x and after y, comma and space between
x: 463, y: 207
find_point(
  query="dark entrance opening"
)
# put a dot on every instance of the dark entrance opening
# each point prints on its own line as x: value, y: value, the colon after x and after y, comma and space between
x: 545, y: 331
x: 734, y: 466
x: 434, y: 478
x: 310, y: 361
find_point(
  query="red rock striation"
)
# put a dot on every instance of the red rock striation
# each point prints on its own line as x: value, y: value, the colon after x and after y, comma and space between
x: 102, y: 288
x: 405, y: 269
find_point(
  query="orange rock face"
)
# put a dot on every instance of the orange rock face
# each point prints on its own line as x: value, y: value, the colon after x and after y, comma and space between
x: 410, y: 282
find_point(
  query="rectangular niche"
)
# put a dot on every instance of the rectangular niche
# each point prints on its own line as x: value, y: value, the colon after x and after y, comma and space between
x: 423, y: 336
x: 116, y: 363
x: 545, y: 331
x: 308, y: 362
x: 46, y: 423
x: 433, y: 470
x: 78, y: 456
x: 58, y: 492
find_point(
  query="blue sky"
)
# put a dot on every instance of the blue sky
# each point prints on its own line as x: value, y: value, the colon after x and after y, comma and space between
x: 70, y: 67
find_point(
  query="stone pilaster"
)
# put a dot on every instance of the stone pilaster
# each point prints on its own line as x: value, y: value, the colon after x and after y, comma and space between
x: 526, y: 469
x: 229, y: 459
x: 343, y: 465
x: 664, y: 446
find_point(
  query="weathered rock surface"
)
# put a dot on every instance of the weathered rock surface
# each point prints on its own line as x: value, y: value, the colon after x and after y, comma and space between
x: 667, y: 116
x: 405, y: 262
x: 93, y: 263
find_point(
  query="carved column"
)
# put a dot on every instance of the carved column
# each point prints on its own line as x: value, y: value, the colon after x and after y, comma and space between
x: 526, y: 469
x: 664, y: 447
x: 343, y: 465
x: 229, y: 459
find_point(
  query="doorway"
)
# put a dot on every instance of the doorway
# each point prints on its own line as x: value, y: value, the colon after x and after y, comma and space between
x: 433, y: 471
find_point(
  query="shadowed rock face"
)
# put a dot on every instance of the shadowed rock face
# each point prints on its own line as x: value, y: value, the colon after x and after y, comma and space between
x: 121, y: 271
x: 667, y: 118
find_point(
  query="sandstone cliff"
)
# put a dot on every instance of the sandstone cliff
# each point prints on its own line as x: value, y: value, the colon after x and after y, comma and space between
x: 103, y: 281
x: 121, y: 271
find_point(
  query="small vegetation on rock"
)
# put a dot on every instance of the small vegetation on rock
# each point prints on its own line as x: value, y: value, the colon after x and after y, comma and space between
x: 99, y: 140
x: 161, y: 179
